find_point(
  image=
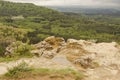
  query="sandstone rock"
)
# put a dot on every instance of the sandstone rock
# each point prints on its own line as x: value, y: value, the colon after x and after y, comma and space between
x: 86, y: 60
x: 49, y: 54
x: 43, y: 44
x: 55, y: 41
x: 37, y: 52
x: 78, y: 43
x: 92, y: 40
x: 49, y: 47
x: 10, y: 49
x: 72, y: 43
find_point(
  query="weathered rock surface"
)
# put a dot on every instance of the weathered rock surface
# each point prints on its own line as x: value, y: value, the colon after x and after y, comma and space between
x: 99, y: 61
x: 49, y: 47
x: 86, y: 61
x: 58, y: 62
x: 10, y: 49
x: 108, y: 59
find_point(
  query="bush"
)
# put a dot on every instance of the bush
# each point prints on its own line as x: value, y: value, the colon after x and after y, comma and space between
x: 15, y: 71
x: 21, y: 49
x: 2, y: 50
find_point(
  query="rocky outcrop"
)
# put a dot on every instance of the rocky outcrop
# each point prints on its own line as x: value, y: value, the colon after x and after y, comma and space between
x: 72, y: 43
x: 18, y: 48
x: 10, y: 49
x: 100, y: 61
x: 55, y: 41
x: 43, y: 44
x: 49, y: 47
x: 86, y: 61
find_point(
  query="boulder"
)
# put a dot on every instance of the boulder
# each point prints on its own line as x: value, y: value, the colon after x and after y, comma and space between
x: 43, y: 44
x: 49, y: 47
x: 37, y: 52
x: 72, y: 43
x: 49, y: 54
x: 55, y: 41
x: 10, y: 49
x: 86, y: 61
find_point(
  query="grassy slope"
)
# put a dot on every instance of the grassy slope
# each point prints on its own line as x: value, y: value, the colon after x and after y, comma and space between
x: 30, y: 23
x: 46, y: 22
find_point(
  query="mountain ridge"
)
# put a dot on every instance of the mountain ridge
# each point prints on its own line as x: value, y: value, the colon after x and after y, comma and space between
x: 88, y: 10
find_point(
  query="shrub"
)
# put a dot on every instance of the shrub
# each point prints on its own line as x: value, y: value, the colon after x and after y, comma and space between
x: 22, y: 71
x: 22, y: 49
x: 2, y: 50
x: 15, y: 71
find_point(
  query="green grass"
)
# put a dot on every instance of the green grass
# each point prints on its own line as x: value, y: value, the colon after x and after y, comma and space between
x: 8, y: 59
x: 62, y: 72
x: 23, y: 71
x: 14, y: 58
x: 17, y: 70
x: 21, y: 50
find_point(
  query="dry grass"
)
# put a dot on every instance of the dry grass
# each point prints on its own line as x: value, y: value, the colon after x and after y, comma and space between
x: 22, y: 72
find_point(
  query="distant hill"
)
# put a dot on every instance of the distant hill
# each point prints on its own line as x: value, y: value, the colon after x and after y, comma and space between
x: 40, y: 22
x: 87, y: 10
x: 25, y: 9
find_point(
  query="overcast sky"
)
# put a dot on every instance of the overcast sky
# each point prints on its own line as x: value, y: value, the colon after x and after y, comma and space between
x: 111, y: 3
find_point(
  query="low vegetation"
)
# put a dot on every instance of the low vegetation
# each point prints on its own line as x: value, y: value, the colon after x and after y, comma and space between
x: 15, y: 71
x: 8, y: 35
x: 17, y: 50
x: 8, y: 59
x: 29, y: 24
x: 22, y: 71
x: 43, y: 22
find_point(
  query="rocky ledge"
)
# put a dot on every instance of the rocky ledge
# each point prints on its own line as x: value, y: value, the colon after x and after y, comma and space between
x: 99, y: 61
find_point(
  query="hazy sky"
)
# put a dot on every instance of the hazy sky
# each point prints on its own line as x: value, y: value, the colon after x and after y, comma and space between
x: 72, y: 2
